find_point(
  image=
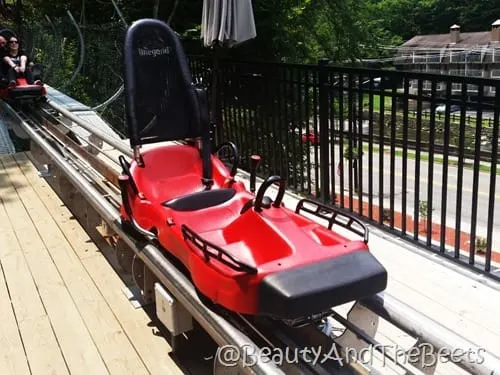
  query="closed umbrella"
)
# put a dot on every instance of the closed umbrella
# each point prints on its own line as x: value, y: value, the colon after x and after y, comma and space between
x: 224, y: 23
x: 227, y: 22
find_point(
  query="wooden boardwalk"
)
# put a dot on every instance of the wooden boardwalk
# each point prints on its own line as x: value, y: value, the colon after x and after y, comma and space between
x: 62, y: 307
x: 63, y: 310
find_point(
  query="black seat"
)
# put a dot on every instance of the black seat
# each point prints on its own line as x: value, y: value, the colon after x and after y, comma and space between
x: 200, y: 200
x: 162, y: 103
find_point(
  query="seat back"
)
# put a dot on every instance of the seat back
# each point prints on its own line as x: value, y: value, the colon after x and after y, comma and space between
x: 162, y: 103
x: 8, y: 33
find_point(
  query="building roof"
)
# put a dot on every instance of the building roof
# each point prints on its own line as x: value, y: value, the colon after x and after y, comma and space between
x: 481, y: 38
x: 471, y: 47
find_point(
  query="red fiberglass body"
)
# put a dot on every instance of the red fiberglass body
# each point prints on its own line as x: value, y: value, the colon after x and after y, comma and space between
x: 232, y: 253
x: 243, y: 251
x: 23, y: 91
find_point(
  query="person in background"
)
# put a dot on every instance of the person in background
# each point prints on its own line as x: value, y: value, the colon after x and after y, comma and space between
x: 3, y: 46
x: 18, y: 62
x: 3, y: 53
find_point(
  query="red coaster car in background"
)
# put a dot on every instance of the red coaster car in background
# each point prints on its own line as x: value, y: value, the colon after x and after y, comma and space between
x: 22, y: 91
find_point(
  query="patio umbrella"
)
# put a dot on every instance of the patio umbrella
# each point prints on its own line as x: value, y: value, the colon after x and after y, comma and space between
x: 224, y: 23
x: 227, y: 22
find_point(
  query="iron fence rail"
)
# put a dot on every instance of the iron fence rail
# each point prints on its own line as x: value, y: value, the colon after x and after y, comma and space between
x: 414, y: 153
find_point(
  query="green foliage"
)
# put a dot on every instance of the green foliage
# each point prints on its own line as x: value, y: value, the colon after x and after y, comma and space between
x: 481, y: 245
x: 304, y: 31
x: 423, y: 209
x: 351, y: 152
x: 407, y: 18
x: 299, y: 31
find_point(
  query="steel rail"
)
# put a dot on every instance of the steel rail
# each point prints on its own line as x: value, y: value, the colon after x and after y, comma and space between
x: 45, y: 116
x: 217, y: 327
x: 399, y: 314
x: 466, y: 354
x: 304, y: 365
x: 116, y: 143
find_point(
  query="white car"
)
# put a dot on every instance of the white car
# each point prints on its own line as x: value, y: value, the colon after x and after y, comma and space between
x: 442, y: 108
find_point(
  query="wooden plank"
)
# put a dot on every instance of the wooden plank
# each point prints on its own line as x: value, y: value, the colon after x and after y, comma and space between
x: 467, y: 328
x: 456, y: 295
x: 153, y: 347
x: 114, y: 347
x: 41, y: 346
x: 444, y: 292
x: 437, y: 280
x: 12, y: 357
x: 136, y: 323
x: 80, y: 354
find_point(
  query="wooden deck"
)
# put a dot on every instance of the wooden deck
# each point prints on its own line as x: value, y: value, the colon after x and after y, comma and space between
x: 68, y: 313
x: 62, y: 306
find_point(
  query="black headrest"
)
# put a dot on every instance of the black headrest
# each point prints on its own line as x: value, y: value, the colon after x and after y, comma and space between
x: 161, y: 99
x: 8, y: 33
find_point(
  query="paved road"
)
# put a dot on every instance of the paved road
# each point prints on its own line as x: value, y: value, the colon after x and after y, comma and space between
x: 483, y: 194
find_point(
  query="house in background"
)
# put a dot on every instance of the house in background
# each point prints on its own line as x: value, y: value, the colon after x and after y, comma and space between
x: 474, y: 54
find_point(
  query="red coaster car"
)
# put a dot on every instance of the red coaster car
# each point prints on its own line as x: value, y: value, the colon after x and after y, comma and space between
x: 243, y: 251
x: 23, y: 91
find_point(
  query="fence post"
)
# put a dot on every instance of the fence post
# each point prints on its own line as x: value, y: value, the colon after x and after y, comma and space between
x: 324, y: 141
x: 216, y: 115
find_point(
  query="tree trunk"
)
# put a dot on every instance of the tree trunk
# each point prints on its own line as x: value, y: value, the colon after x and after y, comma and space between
x: 176, y: 2
x: 156, y: 8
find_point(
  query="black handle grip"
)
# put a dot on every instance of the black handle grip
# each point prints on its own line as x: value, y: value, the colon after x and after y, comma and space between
x: 260, y: 194
x: 236, y: 156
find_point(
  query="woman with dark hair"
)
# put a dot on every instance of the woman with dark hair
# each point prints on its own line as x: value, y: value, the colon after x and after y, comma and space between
x: 18, y: 62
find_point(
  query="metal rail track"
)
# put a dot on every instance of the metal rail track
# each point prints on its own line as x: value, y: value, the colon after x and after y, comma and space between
x: 97, y: 182
x: 65, y: 152
x: 277, y: 340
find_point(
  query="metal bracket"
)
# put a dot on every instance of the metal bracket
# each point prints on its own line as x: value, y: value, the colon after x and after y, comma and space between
x: 420, y: 362
x: 364, y: 319
x: 45, y: 171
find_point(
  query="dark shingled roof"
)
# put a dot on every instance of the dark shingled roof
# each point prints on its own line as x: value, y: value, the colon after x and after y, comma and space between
x: 475, y: 47
x: 481, y: 38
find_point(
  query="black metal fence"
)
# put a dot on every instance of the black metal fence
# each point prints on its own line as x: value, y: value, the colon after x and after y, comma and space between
x: 413, y: 153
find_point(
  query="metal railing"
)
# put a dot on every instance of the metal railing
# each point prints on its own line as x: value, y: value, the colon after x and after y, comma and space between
x: 414, y: 153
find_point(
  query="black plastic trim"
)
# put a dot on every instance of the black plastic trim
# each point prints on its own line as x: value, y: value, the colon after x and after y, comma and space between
x: 30, y: 91
x: 265, y: 185
x: 236, y: 156
x: 317, y: 287
x: 126, y: 170
x: 321, y: 211
x: 200, y: 200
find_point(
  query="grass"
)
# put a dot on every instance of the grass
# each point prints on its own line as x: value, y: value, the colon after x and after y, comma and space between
x: 454, y: 118
x: 425, y: 115
x: 437, y: 159
x: 376, y: 102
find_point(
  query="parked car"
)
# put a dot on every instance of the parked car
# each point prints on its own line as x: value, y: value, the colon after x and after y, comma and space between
x: 311, y: 137
x: 442, y: 108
